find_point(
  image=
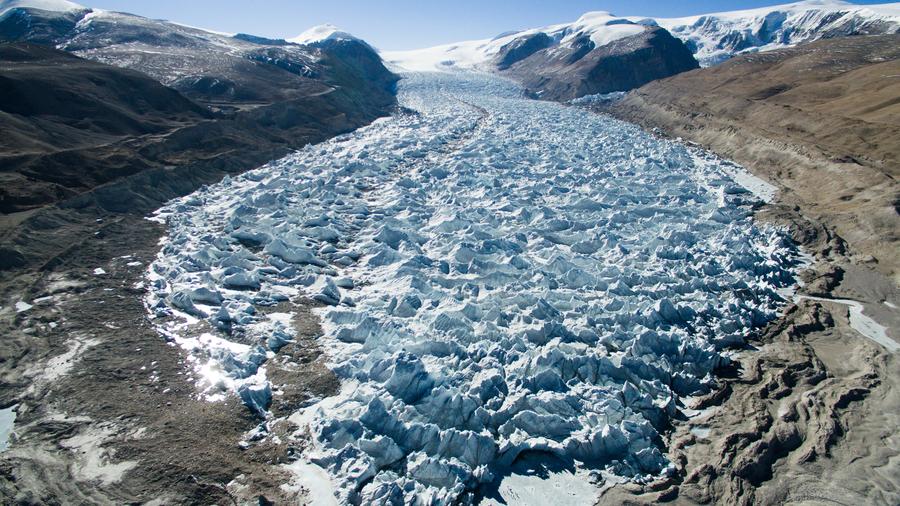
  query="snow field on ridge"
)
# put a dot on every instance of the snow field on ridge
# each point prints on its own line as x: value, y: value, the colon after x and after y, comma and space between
x: 713, y: 37
x: 499, y: 276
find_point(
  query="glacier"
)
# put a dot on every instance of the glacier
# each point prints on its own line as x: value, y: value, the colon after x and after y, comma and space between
x: 497, y: 278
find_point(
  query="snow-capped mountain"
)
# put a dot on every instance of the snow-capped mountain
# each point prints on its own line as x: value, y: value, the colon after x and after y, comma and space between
x: 322, y: 33
x: 598, y: 53
x: 600, y: 27
x: 46, y: 5
x: 711, y: 37
x: 716, y: 37
x: 212, y: 67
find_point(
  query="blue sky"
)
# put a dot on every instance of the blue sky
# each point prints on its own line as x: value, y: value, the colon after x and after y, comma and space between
x: 405, y: 24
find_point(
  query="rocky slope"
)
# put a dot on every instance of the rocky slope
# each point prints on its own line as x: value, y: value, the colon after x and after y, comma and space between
x: 53, y: 150
x: 810, y: 416
x: 229, y: 71
x: 261, y: 97
x: 564, y: 72
x: 55, y: 108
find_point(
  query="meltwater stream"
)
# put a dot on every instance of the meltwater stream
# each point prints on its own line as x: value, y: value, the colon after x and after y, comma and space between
x: 503, y: 279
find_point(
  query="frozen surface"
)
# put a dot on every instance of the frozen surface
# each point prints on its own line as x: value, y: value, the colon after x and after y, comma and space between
x: 500, y: 279
x: 7, y: 421
x: 321, y: 33
x: 863, y: 324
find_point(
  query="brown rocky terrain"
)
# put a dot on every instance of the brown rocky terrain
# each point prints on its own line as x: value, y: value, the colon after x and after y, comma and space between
x: 810, y: 415
x: 58, y: 111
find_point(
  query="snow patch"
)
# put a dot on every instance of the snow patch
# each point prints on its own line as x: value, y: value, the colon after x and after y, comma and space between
x: 861, y: 323
x: 44, y: 5
x: 60, y: 365
x: 94, y: 458
x: 322, y: 33
x: 7, y: 421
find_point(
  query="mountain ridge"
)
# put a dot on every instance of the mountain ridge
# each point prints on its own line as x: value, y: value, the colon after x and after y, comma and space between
x: 217, y: 69
x: 711, y: 37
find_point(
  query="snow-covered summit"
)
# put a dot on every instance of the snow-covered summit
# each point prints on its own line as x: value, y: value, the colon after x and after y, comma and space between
x: 322, y: 33
x: 44, y: 5
x: 601, y: 27
x: 718, y: 36
x: 711, y: 37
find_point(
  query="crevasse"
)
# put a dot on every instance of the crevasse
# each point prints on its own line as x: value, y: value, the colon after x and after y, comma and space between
x: 498, y: 276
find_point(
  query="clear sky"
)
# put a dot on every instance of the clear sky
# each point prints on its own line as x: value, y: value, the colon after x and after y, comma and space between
x: 406, y: 24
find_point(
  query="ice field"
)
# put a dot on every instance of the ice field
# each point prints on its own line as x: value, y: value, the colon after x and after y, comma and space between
x: 500, y: 278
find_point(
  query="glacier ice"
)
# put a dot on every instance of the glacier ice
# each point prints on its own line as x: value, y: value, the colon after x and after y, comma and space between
x: 497, y: 277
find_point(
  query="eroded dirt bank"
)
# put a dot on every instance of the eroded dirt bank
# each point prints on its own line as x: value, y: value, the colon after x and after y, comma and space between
x: 810, y: 416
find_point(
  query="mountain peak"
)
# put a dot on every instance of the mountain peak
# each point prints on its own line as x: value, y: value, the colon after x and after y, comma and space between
x: 321, y: 33
x: 45, y: 5
x: 821, y: 3
x: 595, y: 16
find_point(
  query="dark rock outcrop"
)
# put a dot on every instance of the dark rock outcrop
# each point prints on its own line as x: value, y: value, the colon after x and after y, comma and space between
x: 522, y: 48
x: 579, y: 68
